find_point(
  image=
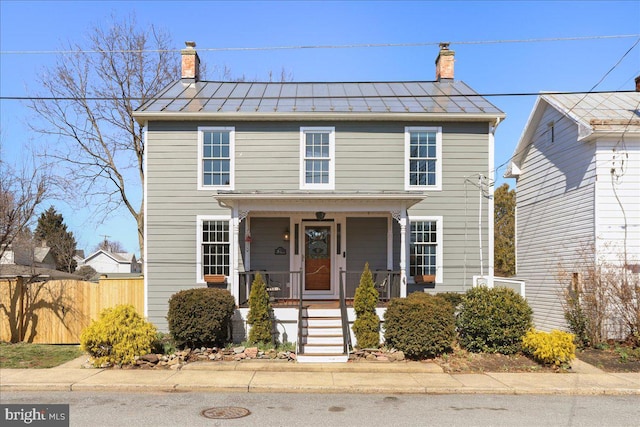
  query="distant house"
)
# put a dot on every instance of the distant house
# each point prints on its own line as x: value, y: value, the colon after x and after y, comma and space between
x: 305, y: 182
x: 103, y: 261
x: 28, y: 255
x: 577, y: 167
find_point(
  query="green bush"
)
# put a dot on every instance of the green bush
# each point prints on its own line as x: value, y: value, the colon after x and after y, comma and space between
x: 554, y: 348
x: 366, y: 327
x: 420, y: 325
x: 259, y: 316
x: 200, y: 317
x: 453, y: 298
x: 118, y: 336
x: 493, y: 320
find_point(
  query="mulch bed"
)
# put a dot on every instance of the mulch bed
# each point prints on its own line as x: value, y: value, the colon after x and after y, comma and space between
x: 616, y: 359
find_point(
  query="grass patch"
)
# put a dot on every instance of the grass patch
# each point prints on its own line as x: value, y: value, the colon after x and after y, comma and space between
x: 24, y: 355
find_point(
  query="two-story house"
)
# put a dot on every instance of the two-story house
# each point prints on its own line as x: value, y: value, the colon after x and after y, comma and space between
x: 577, y: 167
x: 306, y: 182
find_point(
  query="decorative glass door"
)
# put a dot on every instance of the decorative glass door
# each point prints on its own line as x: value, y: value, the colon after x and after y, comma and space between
x: 317, y: 258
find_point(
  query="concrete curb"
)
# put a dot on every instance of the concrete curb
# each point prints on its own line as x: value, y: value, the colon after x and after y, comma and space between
x: 288, y: 377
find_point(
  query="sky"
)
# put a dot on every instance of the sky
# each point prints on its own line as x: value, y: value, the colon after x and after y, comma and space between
x: 478, y: 31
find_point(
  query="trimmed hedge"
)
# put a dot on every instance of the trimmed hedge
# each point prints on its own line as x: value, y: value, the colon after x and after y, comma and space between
x: 118, y: 336
x: 200, y: 317
x: 493, y: 320
x: 420, y: 325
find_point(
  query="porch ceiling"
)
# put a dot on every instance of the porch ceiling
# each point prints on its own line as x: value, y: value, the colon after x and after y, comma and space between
x: 309, y: 201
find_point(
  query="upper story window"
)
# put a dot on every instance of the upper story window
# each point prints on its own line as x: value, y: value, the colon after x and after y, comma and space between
x: 317, y: 158
x: 216, y: 157
x: 423, y: 156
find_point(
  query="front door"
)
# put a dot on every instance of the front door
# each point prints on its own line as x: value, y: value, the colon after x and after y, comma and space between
x: 317, y: 259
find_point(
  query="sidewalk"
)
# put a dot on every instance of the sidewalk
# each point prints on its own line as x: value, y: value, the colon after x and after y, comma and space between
x: 260, y: 376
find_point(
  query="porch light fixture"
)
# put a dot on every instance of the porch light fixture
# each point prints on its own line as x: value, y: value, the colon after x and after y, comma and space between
x: 320, y: 215
x: 285, y: 237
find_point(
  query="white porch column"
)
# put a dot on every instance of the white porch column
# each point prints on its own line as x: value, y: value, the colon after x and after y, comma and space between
x: 401, y: 217
x: 403, y: 254
x: 234, y: 282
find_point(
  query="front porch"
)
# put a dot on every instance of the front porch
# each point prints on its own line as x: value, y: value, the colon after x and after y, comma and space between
x: 285, y: 288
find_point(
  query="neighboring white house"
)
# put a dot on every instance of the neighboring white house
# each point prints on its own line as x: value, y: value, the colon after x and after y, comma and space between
x: 27, y: 255
x: 577, y: 167
x: 109, y: 262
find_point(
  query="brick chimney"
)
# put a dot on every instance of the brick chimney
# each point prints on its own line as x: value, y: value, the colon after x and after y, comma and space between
x: 638, y: 84
x: 444, y: 63
x: 190, y: 62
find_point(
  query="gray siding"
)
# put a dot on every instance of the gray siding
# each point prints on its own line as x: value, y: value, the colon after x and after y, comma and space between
x: 555, y: 215
x: 266, y: 237
x: 366, y: 242
x: 369, y: 156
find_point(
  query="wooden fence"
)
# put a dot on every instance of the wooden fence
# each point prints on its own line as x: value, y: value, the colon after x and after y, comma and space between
x: 56, y: 312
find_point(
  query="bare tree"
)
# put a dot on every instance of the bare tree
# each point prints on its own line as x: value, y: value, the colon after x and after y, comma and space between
x: 87, y: 100
x: 112, y: 246
x: 21, y: 192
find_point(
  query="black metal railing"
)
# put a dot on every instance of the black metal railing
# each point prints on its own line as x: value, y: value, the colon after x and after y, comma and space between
x: 280, y: 285
x: 346, y: 331
x: 387, y: 283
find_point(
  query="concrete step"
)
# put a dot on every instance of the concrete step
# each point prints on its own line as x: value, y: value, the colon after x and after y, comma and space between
x: 323, y: 339
x: 322, y: 331
x: 322, y: 358
x: 323, y: 348
x: 322, y: 321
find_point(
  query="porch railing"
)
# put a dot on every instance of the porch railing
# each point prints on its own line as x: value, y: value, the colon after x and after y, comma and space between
x: 282, y: 286
x: 346, y: 331
x: 387, y: 283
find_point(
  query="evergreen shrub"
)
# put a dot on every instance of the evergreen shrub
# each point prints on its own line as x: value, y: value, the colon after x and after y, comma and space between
x: 200, y: 317
x: 493, y: 320
x: 119, y: 334
x: 421, y: 325
x: 259, y: 316
x: 552, y: 348
x: 453, y: 298
x: 366, y: 327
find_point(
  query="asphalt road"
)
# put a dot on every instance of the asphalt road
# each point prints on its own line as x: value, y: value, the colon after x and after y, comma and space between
x: 275, y: 409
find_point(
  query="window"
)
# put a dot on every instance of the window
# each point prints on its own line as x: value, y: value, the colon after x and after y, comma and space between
x: 214, y: 247
x: 423, y: 151
x: 425, y: 250
x: 317, y: 150
x: 216, y: 162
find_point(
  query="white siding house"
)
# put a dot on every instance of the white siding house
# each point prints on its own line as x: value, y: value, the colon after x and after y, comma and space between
x: 577, y: 167
x: 109, y: 262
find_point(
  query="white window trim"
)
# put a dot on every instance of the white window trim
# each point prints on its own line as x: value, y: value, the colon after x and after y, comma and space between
x: 407, y: 153
x: 199, y: 220
x: 439, y: 244
x: 332, y: 158
x: 232, y: 157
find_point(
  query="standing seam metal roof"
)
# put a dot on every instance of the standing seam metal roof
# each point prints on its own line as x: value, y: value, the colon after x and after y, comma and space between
x: 188, y: 96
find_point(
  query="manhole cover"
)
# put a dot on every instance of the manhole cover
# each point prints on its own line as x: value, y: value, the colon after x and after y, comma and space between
x: 225, y: 412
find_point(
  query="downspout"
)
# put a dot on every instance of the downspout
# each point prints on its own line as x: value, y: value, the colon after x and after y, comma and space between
x: 145, y: 238
x: 491, y: 202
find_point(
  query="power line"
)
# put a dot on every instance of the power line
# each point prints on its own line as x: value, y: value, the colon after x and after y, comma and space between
x: 485, y: 95
x: 592, y: 91
x: 302, y: 47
